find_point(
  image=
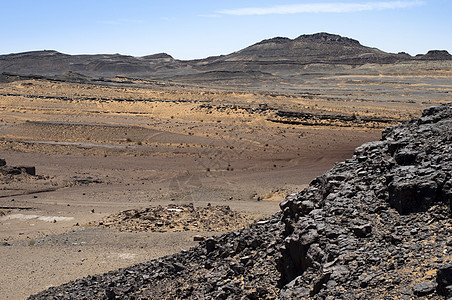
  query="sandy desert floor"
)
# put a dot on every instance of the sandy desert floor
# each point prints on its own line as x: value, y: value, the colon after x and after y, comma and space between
x: 100, y: 149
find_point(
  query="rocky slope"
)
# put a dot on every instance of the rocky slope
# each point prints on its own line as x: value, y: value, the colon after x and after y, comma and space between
x: 276, y: 56
x: 376, y: 225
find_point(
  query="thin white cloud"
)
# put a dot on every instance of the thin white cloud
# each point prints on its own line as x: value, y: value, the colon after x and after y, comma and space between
x: 210, y: 16
x: 320, y: 8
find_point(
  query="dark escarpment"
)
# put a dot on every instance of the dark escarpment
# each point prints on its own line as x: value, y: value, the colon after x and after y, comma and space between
x: 374, y: 226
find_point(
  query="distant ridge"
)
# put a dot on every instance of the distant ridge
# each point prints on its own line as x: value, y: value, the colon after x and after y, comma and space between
x: 436, y: 55
x: 275, y: 55
x: 158, y: 56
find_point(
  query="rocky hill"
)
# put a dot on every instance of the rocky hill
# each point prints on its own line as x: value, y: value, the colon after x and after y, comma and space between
x: 306, y: 49
x: 273, y: 56
x: 375, y: 226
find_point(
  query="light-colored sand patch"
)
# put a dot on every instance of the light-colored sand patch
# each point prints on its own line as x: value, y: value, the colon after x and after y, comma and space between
x: 37, y: 217
x: 126, y: 255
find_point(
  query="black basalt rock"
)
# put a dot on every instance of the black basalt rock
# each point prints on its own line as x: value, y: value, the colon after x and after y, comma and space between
x: 405, y: 157
x: 444, y: 280
x: 409, y: 169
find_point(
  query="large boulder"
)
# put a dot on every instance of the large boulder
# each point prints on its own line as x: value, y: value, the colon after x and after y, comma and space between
x: 444, y: 280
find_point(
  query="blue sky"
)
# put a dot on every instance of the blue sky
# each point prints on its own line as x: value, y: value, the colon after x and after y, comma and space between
x: 197, y: 29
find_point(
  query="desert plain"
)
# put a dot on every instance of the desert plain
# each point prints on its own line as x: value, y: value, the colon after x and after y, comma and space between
x: 101, y: 147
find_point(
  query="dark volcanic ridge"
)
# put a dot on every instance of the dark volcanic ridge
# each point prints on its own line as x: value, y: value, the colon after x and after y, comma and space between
x: 274, y: 56
x: 375, y: 226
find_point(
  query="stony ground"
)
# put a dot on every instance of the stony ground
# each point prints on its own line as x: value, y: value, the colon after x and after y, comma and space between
x: 376, y: 225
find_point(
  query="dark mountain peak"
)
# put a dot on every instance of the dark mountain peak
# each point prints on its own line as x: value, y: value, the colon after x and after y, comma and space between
x: 321, y: 37
x: 42, y: 52
x: 435, y: 55
x: 276, y: 40
x: 35, y: 54
x: 158, y: 56
x: 324, y: 37
x: 404, y: 54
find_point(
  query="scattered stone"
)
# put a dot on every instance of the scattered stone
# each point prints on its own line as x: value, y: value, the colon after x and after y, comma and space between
x: 424, y: 288
x: 199, y: 238
x: 262, y: 222
x: 29, y: 170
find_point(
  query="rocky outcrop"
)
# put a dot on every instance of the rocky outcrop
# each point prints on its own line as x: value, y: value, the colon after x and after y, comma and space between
x: 374, y: 226
x: 8, y: 171
x: 328, y: 38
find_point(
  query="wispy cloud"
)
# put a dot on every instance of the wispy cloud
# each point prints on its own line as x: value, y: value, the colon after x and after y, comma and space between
x: 321, y: 8
x: 210, y: 16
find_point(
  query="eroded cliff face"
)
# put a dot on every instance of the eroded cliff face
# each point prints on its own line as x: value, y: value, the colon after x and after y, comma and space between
x: 374, y: 226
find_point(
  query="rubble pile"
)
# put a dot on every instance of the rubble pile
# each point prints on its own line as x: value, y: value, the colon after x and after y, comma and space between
x: 174, y: 217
